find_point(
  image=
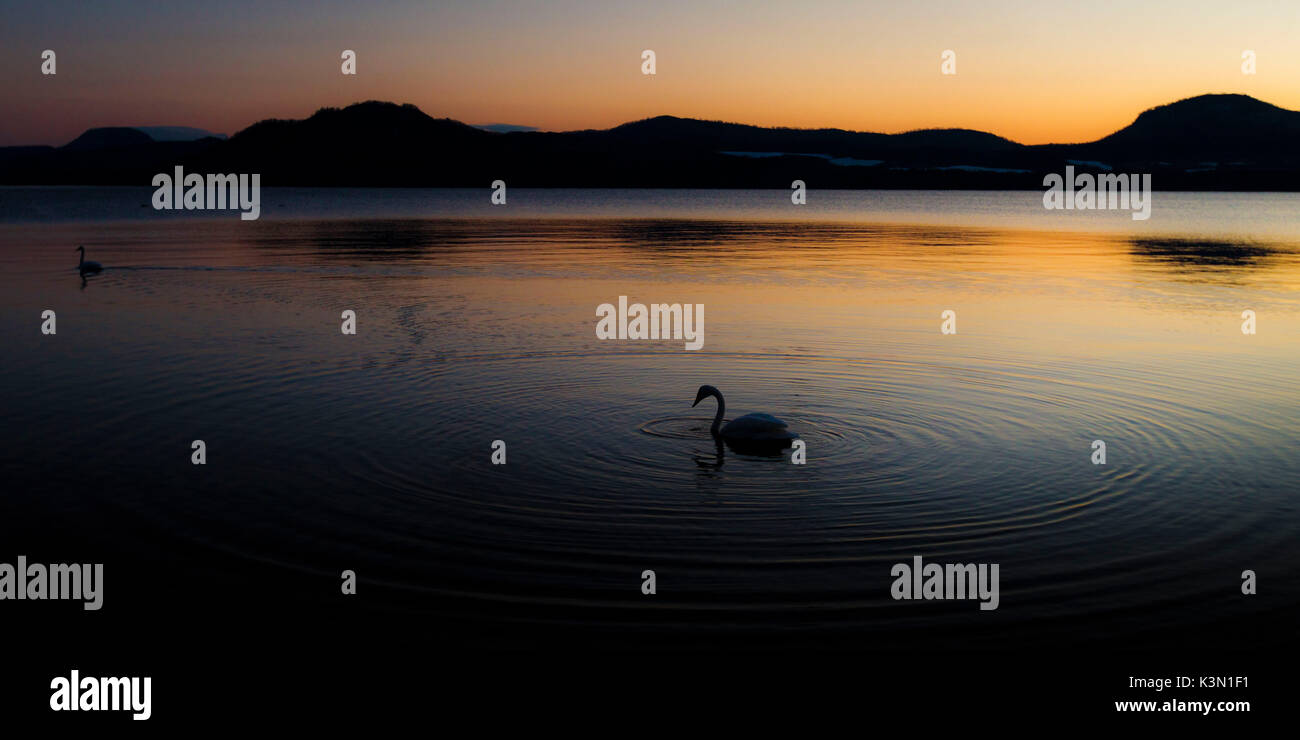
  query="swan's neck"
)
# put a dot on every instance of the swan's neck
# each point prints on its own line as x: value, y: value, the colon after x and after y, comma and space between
x: 82, y: 259
x: 717, y: 418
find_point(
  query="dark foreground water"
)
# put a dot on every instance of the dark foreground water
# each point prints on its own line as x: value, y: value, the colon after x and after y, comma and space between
x: 372, y: 452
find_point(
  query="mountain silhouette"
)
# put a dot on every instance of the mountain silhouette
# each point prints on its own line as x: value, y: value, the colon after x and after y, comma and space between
x: 100, y: 156
x: 371, y: 143
x: 1209, y: 128
x: 109, y: 138
x: 1208, y: 142
x: 504, y: 128
x: 177, y: 133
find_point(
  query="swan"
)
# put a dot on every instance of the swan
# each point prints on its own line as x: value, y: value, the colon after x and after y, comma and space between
x: 755, y: 431
x: 87, y: 268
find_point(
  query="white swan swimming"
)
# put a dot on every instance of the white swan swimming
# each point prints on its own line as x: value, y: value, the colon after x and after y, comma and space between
x: 750, y: 430
x: 87, y: 268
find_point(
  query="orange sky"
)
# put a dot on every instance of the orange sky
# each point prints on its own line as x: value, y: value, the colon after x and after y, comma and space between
x: 1031, y: 73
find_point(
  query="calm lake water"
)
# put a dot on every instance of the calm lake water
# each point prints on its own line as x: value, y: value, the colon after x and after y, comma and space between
x: 372, y: 452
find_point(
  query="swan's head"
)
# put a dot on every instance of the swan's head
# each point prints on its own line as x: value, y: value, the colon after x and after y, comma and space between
x: 80, y: 249
x: 704, y: 392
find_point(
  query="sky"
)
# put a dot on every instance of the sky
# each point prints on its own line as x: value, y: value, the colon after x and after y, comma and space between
x: 1032, y: 71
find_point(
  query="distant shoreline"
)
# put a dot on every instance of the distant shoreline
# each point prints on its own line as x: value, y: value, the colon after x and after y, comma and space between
x: 1210, y: 143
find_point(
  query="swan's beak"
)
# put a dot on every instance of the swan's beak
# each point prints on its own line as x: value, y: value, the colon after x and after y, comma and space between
x: 699, y: 397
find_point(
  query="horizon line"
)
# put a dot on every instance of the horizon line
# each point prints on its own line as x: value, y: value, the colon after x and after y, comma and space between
x: 539, y: 130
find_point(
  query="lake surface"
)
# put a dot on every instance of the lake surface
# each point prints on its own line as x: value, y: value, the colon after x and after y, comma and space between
x: 475, y: 323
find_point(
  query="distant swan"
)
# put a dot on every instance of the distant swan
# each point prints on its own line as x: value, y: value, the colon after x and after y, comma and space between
x: 87, y: 268
x: 753, y: 431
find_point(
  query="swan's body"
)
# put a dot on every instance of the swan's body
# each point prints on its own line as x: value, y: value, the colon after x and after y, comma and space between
x: 87, y: 268
x: 750, y: 430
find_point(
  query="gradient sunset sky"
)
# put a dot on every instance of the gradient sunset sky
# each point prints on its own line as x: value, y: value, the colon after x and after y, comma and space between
x: 1032, y: 71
